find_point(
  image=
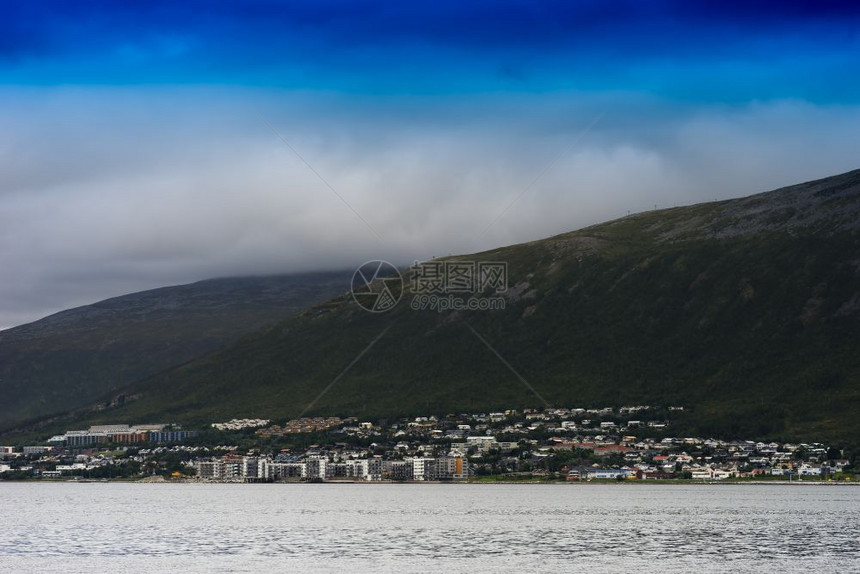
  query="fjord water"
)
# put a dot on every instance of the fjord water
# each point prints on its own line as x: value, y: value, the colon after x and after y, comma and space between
x: 117, y: 527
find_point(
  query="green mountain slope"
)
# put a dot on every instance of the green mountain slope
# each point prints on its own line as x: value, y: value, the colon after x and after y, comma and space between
x: 746, y: 311
x: 71, y: 358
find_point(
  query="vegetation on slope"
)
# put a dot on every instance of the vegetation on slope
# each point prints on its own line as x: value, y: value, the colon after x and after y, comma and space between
x: 69, y: 359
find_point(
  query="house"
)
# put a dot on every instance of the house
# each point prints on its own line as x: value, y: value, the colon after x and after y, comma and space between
x: 609, y: 473
x: 653, y: 474
x: 723, y: 474
x: 708, y: 473
x: 536, y: 417
x: 482, y: 443
x: 807, y: 470
x: 605, y: 450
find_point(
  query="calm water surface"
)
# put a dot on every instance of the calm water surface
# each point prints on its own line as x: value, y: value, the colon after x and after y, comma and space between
x: 66, y: 527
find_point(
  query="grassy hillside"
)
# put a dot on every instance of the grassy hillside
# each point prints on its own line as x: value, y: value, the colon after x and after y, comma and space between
x: 747, y: 312
x: 72, y: 358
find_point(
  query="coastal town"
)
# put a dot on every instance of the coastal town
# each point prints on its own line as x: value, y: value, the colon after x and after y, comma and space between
x: 553, y: 444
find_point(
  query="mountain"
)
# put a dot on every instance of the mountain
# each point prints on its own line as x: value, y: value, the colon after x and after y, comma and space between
x: 743, y: 311
x: 71, y: 358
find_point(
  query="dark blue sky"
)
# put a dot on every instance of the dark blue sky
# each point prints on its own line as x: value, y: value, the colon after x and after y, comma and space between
x: 136, y: 142
x: 720, y: 51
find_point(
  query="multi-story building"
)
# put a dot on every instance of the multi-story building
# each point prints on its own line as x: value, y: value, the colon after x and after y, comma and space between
x: 440, y: 468
x: 397, y: 470
x: 85, y: 438
x: 251, y: 467
x: 450, y: 468
x: 171, y: 435
x: 269, y: 470
x: 124, y: 434
x: 316, y: 467
x: 208, y: 469
x: 374, y: 468
x: 227, y: 468
x: 129, y: 437
x: 423, y: 469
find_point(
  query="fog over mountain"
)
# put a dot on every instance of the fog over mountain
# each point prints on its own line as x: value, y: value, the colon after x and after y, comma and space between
x: 143, y: 146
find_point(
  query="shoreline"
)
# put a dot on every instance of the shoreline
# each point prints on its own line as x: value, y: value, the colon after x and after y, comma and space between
x: 726, y: 482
